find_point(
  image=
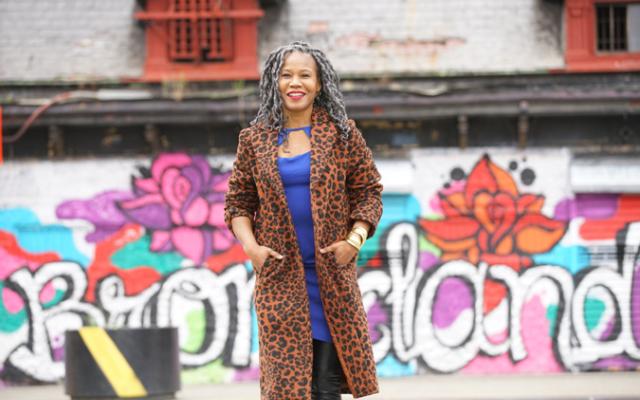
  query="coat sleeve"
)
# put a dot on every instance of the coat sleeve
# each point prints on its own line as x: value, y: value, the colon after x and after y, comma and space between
x: 363, y: 182
x: 242, y: 196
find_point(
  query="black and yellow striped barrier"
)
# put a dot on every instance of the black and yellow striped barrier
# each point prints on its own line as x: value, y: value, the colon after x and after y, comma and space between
x: 122, y: 363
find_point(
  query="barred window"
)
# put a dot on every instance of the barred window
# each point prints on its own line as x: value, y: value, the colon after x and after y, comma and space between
x: 200, y: 39
x: 618, y: 27
x: 198, y: 36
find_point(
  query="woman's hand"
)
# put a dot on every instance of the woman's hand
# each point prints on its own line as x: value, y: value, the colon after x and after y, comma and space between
x: 343, y: 251
x: 258, y: 255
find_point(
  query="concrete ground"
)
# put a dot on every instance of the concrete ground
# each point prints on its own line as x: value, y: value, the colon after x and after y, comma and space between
x: 587, y: 386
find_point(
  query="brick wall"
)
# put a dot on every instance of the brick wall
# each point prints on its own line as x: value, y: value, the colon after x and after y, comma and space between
x: 438, y: 36
x: 65, y: 39
x: 97, y: 39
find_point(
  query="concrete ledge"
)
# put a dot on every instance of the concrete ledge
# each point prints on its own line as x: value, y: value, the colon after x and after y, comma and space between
x: 583, y: 386
x: 623, y: 385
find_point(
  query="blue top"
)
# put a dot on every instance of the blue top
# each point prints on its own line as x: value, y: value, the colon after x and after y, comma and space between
x: 295, y: 174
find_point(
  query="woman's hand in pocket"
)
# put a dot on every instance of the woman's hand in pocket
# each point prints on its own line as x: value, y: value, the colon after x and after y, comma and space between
x: 343, y: 251
x: 258, y: 255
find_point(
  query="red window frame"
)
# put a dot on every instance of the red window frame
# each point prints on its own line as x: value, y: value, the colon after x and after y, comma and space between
x: 201, y: 40
x: 581, y: 54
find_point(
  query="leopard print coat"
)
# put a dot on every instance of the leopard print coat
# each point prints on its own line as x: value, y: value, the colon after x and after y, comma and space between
x: 345, y: 186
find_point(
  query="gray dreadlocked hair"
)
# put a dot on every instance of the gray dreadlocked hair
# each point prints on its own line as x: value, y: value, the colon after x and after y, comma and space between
x: 270, y: 113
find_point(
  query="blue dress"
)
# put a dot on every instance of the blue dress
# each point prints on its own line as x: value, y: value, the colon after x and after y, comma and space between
x: 295, y: 174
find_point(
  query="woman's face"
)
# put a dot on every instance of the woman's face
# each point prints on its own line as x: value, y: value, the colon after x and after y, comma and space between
x: 298, y: 82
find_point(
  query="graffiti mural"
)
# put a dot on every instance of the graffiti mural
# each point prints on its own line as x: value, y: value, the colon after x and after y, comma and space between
x: 490, y: 263
x: 491, y: 278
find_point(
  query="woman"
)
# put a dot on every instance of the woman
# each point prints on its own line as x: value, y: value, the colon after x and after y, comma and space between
x: 304, y: 195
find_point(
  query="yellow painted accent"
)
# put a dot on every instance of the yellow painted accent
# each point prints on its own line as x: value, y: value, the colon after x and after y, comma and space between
x: 114, y: 366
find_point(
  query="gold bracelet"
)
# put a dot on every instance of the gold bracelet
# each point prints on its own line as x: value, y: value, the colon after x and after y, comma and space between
x: 353, y: 243
x: 362, y: 232
x: 356, y: 235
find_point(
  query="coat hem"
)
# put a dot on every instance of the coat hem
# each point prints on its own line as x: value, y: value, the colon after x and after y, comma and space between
x: 366, y: 393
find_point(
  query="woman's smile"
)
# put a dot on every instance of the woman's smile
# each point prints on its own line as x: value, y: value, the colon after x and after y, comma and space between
x: 296, y: 94
x: 299, y: 84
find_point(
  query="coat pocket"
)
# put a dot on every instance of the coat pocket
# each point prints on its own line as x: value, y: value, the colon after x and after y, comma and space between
x: 259, y: 270
x: 268, y: 268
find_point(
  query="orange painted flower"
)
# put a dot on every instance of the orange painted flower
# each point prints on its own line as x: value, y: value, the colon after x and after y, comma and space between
x: 490, y: 221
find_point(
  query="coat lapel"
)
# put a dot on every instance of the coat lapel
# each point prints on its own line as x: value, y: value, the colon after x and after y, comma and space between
x: 271, y: 170
x: 323, y: 136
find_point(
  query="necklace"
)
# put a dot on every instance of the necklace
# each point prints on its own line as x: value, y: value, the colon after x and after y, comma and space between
x: 283, y: 136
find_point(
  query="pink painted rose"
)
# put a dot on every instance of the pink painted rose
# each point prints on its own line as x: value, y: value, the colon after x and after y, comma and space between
x: 181, y: 201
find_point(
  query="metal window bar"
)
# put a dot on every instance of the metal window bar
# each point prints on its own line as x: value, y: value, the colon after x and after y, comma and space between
x: 601, y: 21
x: 201, y: 37
x: 611, y: 27
x: 620, y: 26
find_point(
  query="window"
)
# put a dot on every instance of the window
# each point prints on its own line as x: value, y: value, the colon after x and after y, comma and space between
x: 201, y: 39
x: 612, y: 27
x: 602, y: 35
x: 618, y: 27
